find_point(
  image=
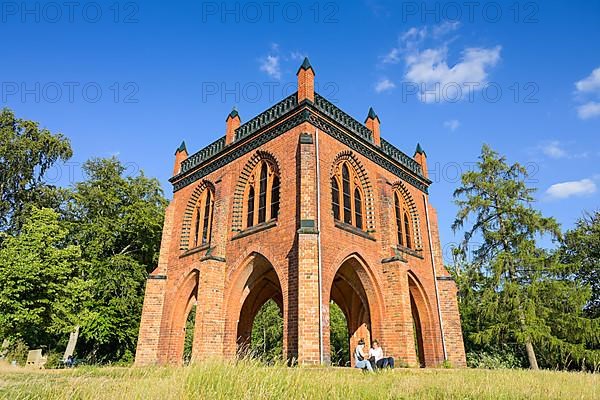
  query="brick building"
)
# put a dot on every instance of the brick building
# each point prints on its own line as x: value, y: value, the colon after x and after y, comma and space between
x: 303, y: 205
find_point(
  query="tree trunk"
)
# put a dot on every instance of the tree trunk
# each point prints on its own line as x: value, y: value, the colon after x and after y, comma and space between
x: 531, y: 355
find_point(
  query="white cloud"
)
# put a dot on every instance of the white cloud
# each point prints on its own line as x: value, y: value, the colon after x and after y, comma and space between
x: 553, y: 149
x: 588, y: 110
x: 573, y: 188
x: 429, y: 69
x: 393, y: 57
x: 440, y: 82
x: 444, y: 28
x: 270, y: 65
x: 590, y: 83
x: 297, y: 56
x: 452, y: 124
x: 384, y: 85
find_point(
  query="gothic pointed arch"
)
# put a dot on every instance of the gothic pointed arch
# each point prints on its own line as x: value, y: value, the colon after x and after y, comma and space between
x: 256, y: 196
x: 352, y: 192
x: 197, y: 218
x: 406, y: 215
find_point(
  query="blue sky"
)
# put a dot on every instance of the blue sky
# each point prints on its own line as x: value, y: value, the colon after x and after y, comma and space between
x: 133, y: 79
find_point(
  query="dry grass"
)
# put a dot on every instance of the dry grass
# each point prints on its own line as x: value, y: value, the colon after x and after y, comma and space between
x: 247, y: 380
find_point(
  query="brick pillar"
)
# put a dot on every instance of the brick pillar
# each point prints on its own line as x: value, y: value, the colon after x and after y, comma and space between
x: 306, y: 82
x: 180, y: 155
x: 152, y: 313
x: 209, y: 332
x: 308, y: 256
x: 398, y: 333
x: 233, y: 122
x: 455, y: 348
x: 147, y: 352
x: 372, y: 122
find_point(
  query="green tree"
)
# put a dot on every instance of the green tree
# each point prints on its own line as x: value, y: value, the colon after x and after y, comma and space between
x: 581, y: 248
x: 267, y: 333
x: 38, y: 277
x: 117, y: 220
x: 517, y: 293
x: 339, y: 338
x: 26, y: 154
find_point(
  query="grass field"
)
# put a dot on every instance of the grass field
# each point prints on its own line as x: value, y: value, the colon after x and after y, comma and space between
x: 247, y: 380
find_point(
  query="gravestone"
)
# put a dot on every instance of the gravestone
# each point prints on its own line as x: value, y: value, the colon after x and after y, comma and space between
x: 35, y: 359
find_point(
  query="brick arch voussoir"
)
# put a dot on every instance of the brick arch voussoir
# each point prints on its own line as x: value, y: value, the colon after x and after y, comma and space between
x: 414, y: 212
x: 363, y: 176
x: 240, y: 187
x: 186, y: 226
x: 370, y: 282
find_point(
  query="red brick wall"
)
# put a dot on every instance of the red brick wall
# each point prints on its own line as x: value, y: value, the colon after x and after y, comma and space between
x: 242, y: 270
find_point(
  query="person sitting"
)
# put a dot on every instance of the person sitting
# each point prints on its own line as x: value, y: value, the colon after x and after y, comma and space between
x: 360, y: 358
x: 376, y: 355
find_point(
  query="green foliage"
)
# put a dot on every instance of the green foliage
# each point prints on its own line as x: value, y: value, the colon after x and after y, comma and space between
x: 339, y: 336
x: 117, y: 220
x: 26, y: 154
x: 189, y: 335
x: 512, y: 291
x: 581, y: 249
x: 17, y: 351
x: 267, y: 333
x: 494, y: 358
x: 38, y: 269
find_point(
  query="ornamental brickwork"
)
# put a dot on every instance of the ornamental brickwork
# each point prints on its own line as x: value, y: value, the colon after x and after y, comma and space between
x: 303, y: 205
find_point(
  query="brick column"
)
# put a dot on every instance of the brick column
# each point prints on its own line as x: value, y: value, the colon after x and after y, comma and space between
x: 147, y: 352
x: 455, y: 348
x: 308, y: 256
x: 398, y: 336
x: 209, y: 332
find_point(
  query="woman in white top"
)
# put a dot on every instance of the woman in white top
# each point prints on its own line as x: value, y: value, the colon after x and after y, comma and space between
x: 376, y: 355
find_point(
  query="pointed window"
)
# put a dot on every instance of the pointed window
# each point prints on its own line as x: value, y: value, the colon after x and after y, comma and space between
x: 250, y: 202
x: 346, y: 194
x: 262, y: 196
x: 347, y: 204
x: 202, y: 225
x: 207, y: 219
x: 407, y: 230
x: 335, y: 198
x: 275, y: 198
x: 398, y: 219
x: 358, y: 209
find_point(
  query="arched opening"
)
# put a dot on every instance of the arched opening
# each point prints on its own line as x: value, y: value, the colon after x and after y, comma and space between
x: 426, y: 348
x: 417, y: 332
x: 267, y: 333
x: 182, y: 319
x: 339, y: 337
x: 189, y: 335
x: 348, y: 292
x: 261, y: 289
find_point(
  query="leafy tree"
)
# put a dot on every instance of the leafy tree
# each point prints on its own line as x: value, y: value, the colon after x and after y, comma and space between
x: 514, y: 291
x: 581, y: 248
x: 26, y: 154
x: 190, y: 325
x: 339, y: 337
x: 267, y: 333
x: 38, y: 271
x: 117, y: 220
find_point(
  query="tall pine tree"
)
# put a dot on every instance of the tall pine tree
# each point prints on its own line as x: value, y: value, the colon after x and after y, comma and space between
x: 517, y: 292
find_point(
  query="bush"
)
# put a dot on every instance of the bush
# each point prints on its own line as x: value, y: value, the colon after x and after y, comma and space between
x: 53, y: 360
x: 493, y: 359
x: 17, y: 351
